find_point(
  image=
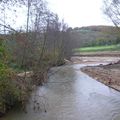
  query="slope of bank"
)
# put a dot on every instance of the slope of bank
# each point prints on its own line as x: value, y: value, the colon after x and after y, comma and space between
x: 106, y: 74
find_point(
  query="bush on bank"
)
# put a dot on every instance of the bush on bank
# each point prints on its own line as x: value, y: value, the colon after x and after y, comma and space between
x: 9, y: 92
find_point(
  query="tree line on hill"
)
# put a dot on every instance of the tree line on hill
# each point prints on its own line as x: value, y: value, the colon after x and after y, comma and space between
x: 94, y: 36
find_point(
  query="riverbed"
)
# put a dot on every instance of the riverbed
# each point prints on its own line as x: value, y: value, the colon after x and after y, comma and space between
x: 70, y: 95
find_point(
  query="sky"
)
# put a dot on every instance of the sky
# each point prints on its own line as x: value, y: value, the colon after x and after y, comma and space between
x: 78, y: 13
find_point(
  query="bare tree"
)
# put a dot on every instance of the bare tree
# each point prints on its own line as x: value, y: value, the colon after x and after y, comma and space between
x: 112, y: 10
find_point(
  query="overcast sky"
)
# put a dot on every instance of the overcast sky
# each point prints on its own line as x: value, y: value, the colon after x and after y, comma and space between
x: 79, y: 13
x: 76, y: 13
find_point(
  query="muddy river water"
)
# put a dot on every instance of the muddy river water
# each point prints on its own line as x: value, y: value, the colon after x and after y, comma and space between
x: 70, y: 95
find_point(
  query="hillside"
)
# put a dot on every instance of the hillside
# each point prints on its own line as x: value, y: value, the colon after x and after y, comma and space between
x: 86, y: 36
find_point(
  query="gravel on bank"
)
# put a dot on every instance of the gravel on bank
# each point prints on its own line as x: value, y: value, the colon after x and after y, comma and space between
x: 106, y: 74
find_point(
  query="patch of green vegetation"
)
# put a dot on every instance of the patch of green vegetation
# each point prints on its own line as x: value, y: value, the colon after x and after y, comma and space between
x: 99, y: 48
x: 9, y: 93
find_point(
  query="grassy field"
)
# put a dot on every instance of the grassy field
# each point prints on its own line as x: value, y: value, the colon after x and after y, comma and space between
x: 98, y: 48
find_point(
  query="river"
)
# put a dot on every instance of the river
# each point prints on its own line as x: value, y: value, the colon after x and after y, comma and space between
x: 70, y: 95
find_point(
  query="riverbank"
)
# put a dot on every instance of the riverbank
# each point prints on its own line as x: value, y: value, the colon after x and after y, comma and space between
x: 70, y: 95
x: 106, y: 74
x: 98, y: 54
x: 22, y: 86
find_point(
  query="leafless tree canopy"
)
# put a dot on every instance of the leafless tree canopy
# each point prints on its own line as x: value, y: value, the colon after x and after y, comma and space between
x: 41, y: 42
x: 112, y: 10
x: 42, y: 36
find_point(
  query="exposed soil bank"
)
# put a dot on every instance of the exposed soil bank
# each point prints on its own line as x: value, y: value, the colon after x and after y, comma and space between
x: 94, y: 60
x: 99, y: 54
x: 107, y: 74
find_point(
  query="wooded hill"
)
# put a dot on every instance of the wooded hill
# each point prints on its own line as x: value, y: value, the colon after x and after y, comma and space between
x: 94, y: 36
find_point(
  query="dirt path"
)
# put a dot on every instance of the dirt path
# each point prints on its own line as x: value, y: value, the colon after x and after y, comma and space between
x: 95, y: 59
x: 99, y: 54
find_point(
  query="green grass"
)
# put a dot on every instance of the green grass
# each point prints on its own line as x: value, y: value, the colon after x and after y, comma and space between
x: 98, y: 48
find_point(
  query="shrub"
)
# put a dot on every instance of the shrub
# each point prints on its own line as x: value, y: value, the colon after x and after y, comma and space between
x: 8, y: 90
